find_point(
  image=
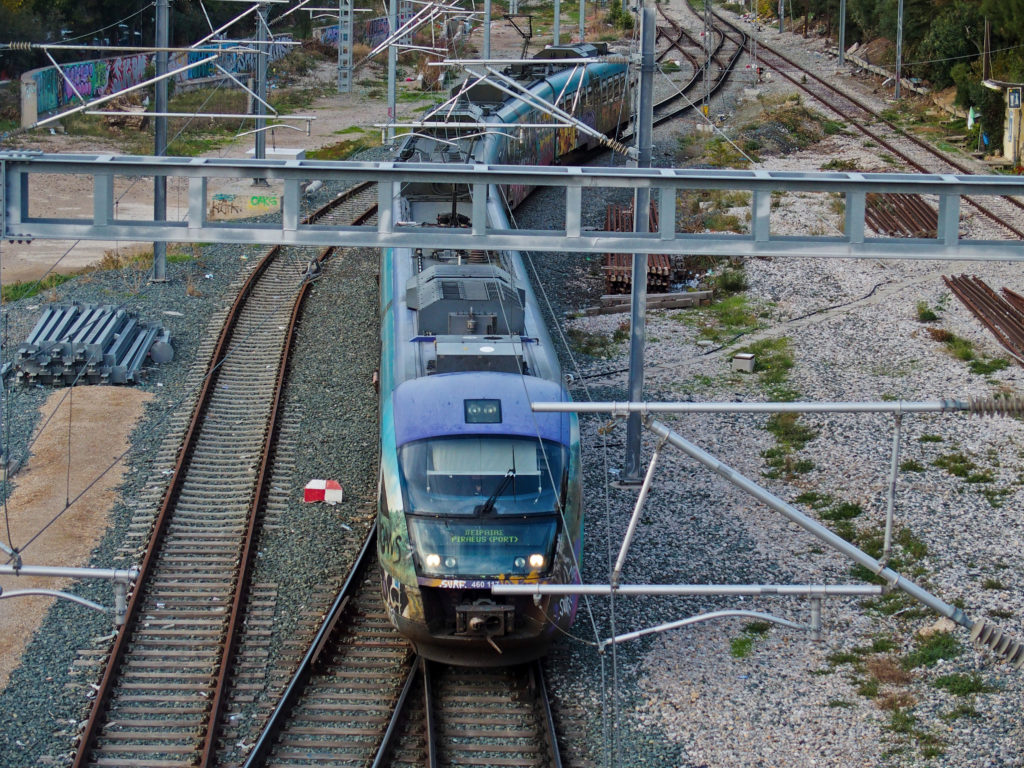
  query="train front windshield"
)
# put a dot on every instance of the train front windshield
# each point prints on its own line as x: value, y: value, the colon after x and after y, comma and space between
x: 505, y: 475
x: 483, y: 506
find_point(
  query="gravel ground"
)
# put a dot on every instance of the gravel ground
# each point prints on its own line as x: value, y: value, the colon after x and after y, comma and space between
x: 730, y: 694
x: 683, y: 698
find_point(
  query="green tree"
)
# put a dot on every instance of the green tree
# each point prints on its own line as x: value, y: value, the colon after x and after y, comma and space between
x: 1007, y: 17
x: 971, y: 93
x: 954, y: 36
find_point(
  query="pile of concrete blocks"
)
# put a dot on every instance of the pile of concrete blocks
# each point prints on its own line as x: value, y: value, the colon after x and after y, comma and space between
x: 89, y: 344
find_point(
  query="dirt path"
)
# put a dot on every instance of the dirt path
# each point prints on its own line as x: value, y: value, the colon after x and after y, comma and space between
x: 102, y: 420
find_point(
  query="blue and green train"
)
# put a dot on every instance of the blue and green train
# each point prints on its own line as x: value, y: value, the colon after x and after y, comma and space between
x: 475, y: 488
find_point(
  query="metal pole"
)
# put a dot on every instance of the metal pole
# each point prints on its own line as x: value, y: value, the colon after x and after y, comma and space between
x: 556, y: 35
x: 708, y: 47
x: 583, y: 19
x: 160, y: 136
x: 344, y: 46
x: 3, y: 394
x: 641, y: 223
x: 842, y: 32
x: 487, y: 29
x: 811, y: 526
x: 392, y: 68
x: 884, y: 406
x: 637, y: 511
x: 899, y: 46
x: 261, y: 88
x: 691, y: 590
x: 782, y: 15
x: 894, y: 466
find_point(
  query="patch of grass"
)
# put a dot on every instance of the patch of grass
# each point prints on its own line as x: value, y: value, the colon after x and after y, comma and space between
x: 883, y: 645
x: 868, y: 688
x: 911, y: 465
x: 839, y: 165
x: 719, y: 153
x: 342, y: 150
x: 844, y: 510
x: 930, y: 439
x: 740, y: 647
x: 772, y: 359
x: 962, y: 709
x: 986, y: 367
x: 814, y: 499
x: 731, y: 281
x: 733, y: 315
x: 832, y: 127
x: 893, y: 603
x: 962, y: 685
x: 730, y: 316
x: 599, y: 345
x: 939, y: 645
x: 925, y: 314
x: 887, y: 669
x: 843, y: 657
x: 863, y: 573
x: 911, y: 544
x: 840, y: 704
x: 895, y: 700
x: 956, y: 464
x: 791, y: 435
x: 995, y: 496
x: 992, y: 584
x: 902, y: 721
x: 28, y: 288
x: 789, y: 430
x: 963, y: 349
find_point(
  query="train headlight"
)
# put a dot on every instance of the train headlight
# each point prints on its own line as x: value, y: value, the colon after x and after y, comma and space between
x: 449, y: 562
x: 433, y: 561
x: 537, y: 561
x: 520, y: 562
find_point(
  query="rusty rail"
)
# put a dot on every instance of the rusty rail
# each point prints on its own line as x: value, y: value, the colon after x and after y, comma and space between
x: 1004, y: 317
x: 618, y: 267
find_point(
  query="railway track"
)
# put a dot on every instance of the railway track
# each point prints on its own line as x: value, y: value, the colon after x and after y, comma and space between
x: 887, y: 135
x: 361, y: 697
x: 165, y: 685
x: 721, y: 63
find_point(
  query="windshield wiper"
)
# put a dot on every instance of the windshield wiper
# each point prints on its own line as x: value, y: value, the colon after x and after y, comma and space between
x: 488, y: 506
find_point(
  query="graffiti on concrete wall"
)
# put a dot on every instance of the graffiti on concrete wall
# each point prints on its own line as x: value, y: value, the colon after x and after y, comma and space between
x: 102, y: 77
x: 372, y: 31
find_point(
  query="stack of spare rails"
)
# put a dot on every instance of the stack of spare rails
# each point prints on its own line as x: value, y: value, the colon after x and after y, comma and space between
x: 84, y: 343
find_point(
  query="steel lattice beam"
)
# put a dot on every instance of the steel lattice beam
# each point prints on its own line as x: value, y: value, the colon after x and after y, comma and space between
x: 664, y: 183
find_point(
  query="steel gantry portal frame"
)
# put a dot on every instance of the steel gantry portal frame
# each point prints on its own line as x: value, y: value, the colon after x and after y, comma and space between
x: 18, y: 170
